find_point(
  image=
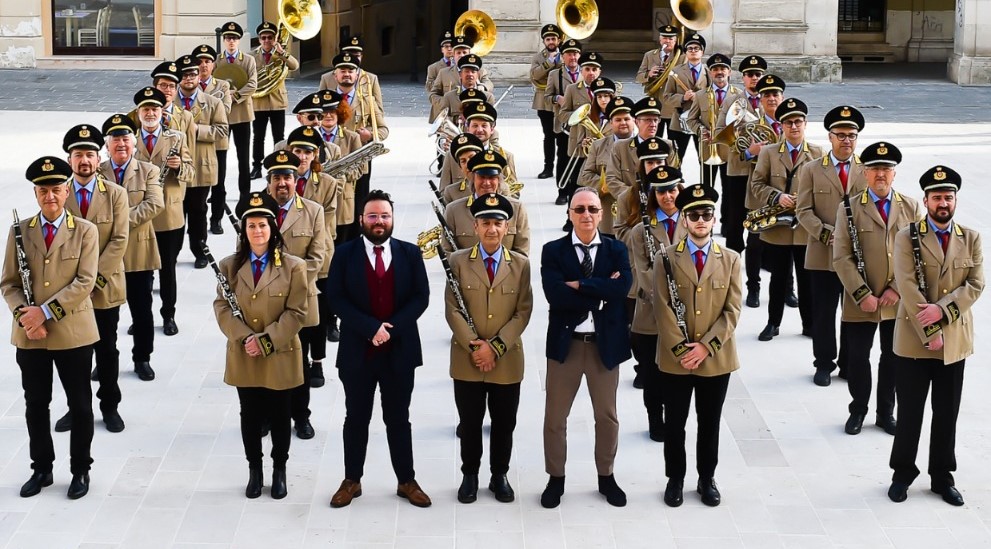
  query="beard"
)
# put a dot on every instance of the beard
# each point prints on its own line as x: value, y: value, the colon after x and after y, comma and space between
x: 941, y: 215
x: 368, y: 231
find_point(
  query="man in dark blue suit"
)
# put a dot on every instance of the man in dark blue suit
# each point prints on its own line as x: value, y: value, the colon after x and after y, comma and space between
x: 378, y: 288
x: 586, y: 278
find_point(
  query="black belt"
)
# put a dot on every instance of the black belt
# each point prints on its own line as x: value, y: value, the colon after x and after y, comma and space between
x: 586, y: 337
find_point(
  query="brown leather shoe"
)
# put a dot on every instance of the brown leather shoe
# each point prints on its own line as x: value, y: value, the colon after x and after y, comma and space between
x: 412, y: 491
x: 349, y: 490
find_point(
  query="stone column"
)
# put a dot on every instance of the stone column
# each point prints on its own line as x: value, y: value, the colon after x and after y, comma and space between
x: 970, y: 63
x: 518, y: 23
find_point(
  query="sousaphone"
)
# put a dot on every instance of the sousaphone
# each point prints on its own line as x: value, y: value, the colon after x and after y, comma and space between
x: 577, y: 18
x: 479, y: 29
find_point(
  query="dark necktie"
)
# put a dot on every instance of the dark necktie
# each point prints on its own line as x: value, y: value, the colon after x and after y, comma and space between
x: 230, y: 58
x: 256, y: 271
x: 119, y: 173
x: 327, y: 136
x: 300, y: 185
x: 720, y: 94
x: 944, y: 239
x: 753, y: 102
x: 695, y: 74
x: 268, y: 56
x: 83, y: 202
x: 150, y: 142
x: 794, y: 156
x: 586, y: 259
x: 777, y: 128
x: 187, y: 103
x: 669, y: 227
x: 50, y: 235
x: 880, y: 209
x: 490, y: 268
x: 379, y: 263
x: 664, y: 59
x: 281, y: 217
x: 844, y: 173
x: 699, y: 262
x: 573, y: 76
x: 203, y: 86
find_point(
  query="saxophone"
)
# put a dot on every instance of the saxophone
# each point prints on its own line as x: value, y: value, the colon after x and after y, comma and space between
x: 353, y: 161
x: 775, y: 215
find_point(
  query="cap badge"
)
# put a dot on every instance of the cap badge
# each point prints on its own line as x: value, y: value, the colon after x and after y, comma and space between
x: 282, y: 157
x: 600, y: 82
x: 172, y: 67
x: 481, y: 108
x: 149, y: 92
x: 699, y: 192
x: 662, y: 175
x: 753, y: 60
x: 255, y: 201
x: 620, y: 101
x: 48, y: 166
x: 845, y: 113
x: 462, y: 140
x: 489, y: 157
x: 203, y: 49
x: 791, y: 104
x: 84, y: 133
x: 940, y: 174
x: 116, y: 120
x: 316, y: 100
x: 354, y: 41
x: 770, y: 80
x: 308, y: 132
x: 232, y: 26
x: 347, y: 58
x: 652, y: 145
x: 652, y: 102
x: 882, y: 150
x: 492, y: 201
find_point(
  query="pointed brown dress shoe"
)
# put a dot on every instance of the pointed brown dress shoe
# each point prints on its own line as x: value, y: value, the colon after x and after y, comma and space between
x: 412, y: 491
x: 348, y: 491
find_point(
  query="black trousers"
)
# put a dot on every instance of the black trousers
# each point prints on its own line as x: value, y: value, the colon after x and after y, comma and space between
x: 313, y: 340
x: 781, y: 259
x: 710, y: 393
x: 139, y: 290
x: 73, y: 367
x: 663, y: 126
x: 396, y: 387
x: 681, y: 141
x: 733, y: 212
x: 241, y: 139
x: 259, y: 404
x: 218, y: 193
x: 571, y: 185
x: 859, y: 341
x: 913, y: 381
x: 169, y: 246
x: 644, y: 352
x: 107, y: 358
x: 753, y: 259
x: 471, y: 399
x: 825, y: 301
x: 561, y: 140
x: 262, y: 119
x: 194, y: 206
x: 547, y: 127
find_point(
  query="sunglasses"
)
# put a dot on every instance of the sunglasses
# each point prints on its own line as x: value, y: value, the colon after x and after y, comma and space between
x: 706, y: 215
x: 314, y: 117
x: 580, y: 210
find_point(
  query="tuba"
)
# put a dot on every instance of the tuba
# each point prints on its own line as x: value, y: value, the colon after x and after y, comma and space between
x: 690, y: 14
x: 297, y: 18
x: 577, y: 18
x: 479, y: 29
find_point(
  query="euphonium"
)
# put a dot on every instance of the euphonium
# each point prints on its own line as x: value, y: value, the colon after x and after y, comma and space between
x: 299, y: 18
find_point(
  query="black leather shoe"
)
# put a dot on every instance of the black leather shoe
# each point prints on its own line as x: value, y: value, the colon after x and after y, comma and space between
x: 950, y: 495
x: 673, y: 495
x: 169, y: 327
x: 256, y: 173
x: 546, y: 174
x: 316, y: 375
x: 64, y: 423
x: 568, y: 226
x: 130, y: 331
x: 791, y: 300
x: 753, y: 299
x: 254, y: 487
x: 34, y: 484
x: 216, y: 227
x: 499, y: 485
x: 468, y: 492
x: 144, y: 371
x: 656, y: 433
x: 888, y: 423
x: 113, y: 421
x: 854, y: 424
x: 551, y: 497
x: 898, y: 492
x: 279, y: 489
x: 615, y: 495
x: 768, y: 333
x: 637, y: 381
x: 821, y: 377
x: 200, y: 263
x: 266, y: 427
x: 710, y: 494
x: 79, y: 486
x: 561, y: 200
x: 333, y: 333
x: 304, y: 429
x: 94, y: 376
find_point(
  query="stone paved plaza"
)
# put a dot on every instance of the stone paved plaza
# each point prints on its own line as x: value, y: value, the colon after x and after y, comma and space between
x: 789, y: 476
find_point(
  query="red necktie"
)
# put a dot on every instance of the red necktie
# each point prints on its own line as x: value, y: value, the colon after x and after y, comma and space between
x: 669, y: 227
x: 794, y: 156
x: 268, y: 56
x: 573, y: 76
x: 753, y: 102
x: 844, y: 174
x: 777, y: 128
x: 150, y: 142
x: 591, y: 97
x: 695, y: 74
x: 230, y: 58
x: 300, y: 185
x: 256, y: 272
x: 349, y: 97
x: 203, y: 86
x: 944, y: 239
x: 281, y: 217
x: 187, y: 103
x: 83, y: 202
x: 490, y: 268
x: 699, y: 262
x: 119, y: 173
x: 379, y: 264
x: 720, y: 94
x: 327, y: 136
x: 880, y: 209
x: 50, y: 235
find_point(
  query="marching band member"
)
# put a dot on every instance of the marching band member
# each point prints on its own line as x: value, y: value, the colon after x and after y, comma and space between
x: 480, y: 120
x: 272, y: 107
x: 655, y: 63
x: 487, y: 358
x: 166, y: 77
x: 446, y: 61
x: 448, y: 79
x: 702, y: 117
x: 541, y: 65
x: 699, y: 356
x: 870, y: 291
x: 487, y: 168
x: 450, y: 170
x: 206, y: 56
x: 57, y: 324
x: 686, y: 80
x: 242, y: 112
x: 270, y: 287
x: 575, y: 95
x: 593, y: 174
x: 934, y: 332
x: 463, y: 148
x: 648, y: 154
x: 468, y: 67
x: 363, y: 78
x: 623, y: 166
x: 821, y: 187
x: 558, y: 80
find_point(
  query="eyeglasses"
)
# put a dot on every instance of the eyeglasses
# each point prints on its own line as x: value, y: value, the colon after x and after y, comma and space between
x: 580, y: 210
x: 793, y: 123
x: 374, y: 218
x: 314, y: 117
x: 693, y: 48
x: 165, y: 87
x: 266, y: 37
x: 844, y: 136
x: 695, y: 215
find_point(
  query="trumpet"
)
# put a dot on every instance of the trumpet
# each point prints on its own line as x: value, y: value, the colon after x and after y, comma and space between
x: 579, y: 118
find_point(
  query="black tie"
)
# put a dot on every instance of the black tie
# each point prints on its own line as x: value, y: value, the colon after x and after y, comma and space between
x: 586, y: 259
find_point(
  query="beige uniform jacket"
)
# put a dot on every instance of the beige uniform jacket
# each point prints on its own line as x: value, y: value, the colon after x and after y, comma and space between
x: 575, y: 96
x: 174, y: 189
x: 221, y: 89
x: 361, y: 116
x: 462, y: 225
x: 62, y: 278
x: 954, y: 281
x: 433, y: 70
x: 652, y: 59
x: 108, y: 210
x: 819, y: 194
x: 210, y: 117
x: 449, y: 78
x: 558, y: 81
x: 673, y: 96
x: 324, y: 190
x: 278, y: 100
x: 540, y: 69
x: 770, y: 179
x: 365, y: 81
x: 304, y: 232
x: 348, y: 141
x: 145, y: 201
x: 644, y: 321
x: 500, y: 310
x: 712, y: 309
x: 593, y: 175
x: 621, y: 171
x: 242, y: 105
x: 704, y: 113
x: 275, y: 307
x: 736, y: 163
x: 877, y: 241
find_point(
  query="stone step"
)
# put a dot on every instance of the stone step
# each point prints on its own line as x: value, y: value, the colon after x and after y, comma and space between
x: 866, y: 52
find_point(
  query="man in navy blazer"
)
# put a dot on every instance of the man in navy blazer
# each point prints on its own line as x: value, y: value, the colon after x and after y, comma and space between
x: 378, y: 287
x: 586, y: 279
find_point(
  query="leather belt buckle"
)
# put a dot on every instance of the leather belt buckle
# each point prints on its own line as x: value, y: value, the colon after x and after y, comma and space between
x: 584, y: 337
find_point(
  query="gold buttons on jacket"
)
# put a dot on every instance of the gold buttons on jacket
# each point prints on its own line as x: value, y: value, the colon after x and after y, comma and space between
x: 944, y: 291
x: 47, y: 261
x: 254, y: 320
x: 490, y: 316
x: 698, y: 312
x: 698, y: 336
x: 47, y: 283
x: 253, y: 296
x: 698, y: 290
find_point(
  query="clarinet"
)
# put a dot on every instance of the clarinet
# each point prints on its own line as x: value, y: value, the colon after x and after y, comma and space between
x: 858, y: 252
x: 452, y: 281
x: 172, y: 152
x: 920, y: 275
x: 445, y: 229
x: 648, y: 238
x: 225, y: 286
x: 437, y: 193
x: 677, y: 305
x: 230, y: 216
x: 22, y: 261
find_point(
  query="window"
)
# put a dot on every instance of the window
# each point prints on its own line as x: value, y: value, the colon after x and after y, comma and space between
x: 862, y: 15
x: 386, y: 40
x: 102, y: 27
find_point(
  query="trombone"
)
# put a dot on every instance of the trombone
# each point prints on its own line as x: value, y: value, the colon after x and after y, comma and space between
x: 579, y: 118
